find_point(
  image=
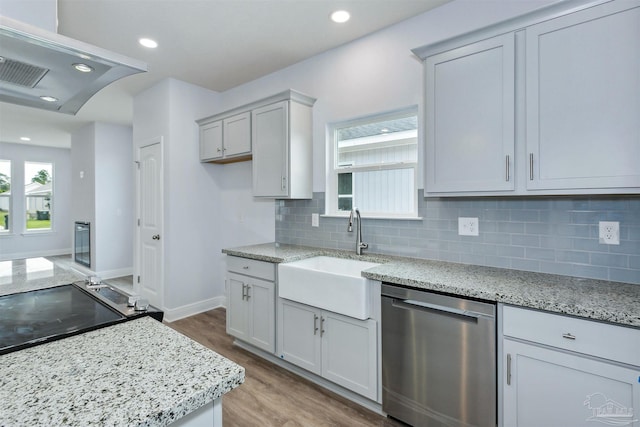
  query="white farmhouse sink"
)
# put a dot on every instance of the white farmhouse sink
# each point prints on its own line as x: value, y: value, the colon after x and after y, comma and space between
x: 333, y: 284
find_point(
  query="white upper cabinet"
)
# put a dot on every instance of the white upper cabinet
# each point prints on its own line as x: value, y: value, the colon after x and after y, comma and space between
x: 236, y: 131
x: 276, y: 132
x: 583, y: 99
x: 546, y: 103
x: 211, y: 141
x: 470, y: 117
x: 226, y: 140
x: 282, y: 149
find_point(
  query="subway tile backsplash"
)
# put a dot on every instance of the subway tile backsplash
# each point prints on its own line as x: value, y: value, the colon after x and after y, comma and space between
x: 556, y: 235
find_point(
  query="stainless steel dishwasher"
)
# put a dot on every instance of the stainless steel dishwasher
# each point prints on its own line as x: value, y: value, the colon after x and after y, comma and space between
x: 438, y: 359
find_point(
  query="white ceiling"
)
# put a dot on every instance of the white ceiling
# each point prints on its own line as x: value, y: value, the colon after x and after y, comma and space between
x: 216, y: 44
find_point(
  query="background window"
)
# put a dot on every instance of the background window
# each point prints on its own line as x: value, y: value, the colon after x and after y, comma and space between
x: 373, y: 165
x: 5, y: 194
x: 38, y: 191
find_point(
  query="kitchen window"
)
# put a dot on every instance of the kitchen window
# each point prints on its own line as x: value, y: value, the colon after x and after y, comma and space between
x: 5, y: 194
x: 373, y: 166
x: 38, y: 192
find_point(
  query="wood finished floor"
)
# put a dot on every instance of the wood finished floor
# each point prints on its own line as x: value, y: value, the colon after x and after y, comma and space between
x: 270, y: 395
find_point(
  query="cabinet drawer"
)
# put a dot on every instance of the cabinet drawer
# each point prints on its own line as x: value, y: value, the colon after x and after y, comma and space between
x: 603, y: 340
x: 252, y: 267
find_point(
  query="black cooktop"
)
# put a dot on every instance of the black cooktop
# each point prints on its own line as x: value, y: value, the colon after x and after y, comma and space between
x: 43, y: 315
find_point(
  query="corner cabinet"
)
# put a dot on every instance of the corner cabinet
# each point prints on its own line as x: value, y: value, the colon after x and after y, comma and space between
x: 564, y: 371
x: 251, y: 302
x: 282, y: 149
x: 547, y: 103
x: 339, y: 348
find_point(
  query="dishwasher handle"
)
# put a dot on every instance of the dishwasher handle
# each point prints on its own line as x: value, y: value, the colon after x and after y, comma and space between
x: 425, y: 306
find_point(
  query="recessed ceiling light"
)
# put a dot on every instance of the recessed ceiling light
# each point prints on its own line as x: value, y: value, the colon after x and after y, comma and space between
x: 84, y: 68
x: 48, y: 98
x: 340, y: 16
x: 151, y: 44
x: 25, y: 138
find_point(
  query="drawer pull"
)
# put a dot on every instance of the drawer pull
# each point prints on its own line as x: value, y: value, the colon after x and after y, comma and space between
x: 569, y: 336
x: 246, y: 267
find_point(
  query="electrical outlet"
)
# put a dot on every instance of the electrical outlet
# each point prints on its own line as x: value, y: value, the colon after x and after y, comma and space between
x: 609, y: 232
x: 468, y: 226
x: 315, y: 220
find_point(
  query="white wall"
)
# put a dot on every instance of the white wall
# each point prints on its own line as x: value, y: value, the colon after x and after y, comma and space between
x: 115, y: 185
x: 102, y: 153
x: 376, y: 73
x: 83, y: 189
x: 207, y: 206
x: 58, y: 241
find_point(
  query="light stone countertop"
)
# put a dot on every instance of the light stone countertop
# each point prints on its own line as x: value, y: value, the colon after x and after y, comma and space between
x: 140, y: 373
x: 600, y: 300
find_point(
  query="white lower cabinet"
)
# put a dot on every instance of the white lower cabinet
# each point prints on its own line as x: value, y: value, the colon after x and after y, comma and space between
x: 341, y: 349
x: 554, y: 385
x: 251, y: 303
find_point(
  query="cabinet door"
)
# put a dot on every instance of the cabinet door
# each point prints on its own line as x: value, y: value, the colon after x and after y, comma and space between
x: 211, y: 141
x: 237, y: 134
x: 549, y: 387
x: 270, y: 133
x: 349, y: 353
x: 470, y: 104
x: 237, y: 307
x: 260, y: 296
x: 299, y: 335
x: 583, y: 99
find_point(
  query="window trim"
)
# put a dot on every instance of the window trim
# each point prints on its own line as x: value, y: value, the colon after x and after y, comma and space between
x: 5, y: 232
x: 51, y: 229
x: 332, y: 169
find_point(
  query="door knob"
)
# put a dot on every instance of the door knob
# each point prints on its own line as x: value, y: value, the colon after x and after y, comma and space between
x: 156, y: 237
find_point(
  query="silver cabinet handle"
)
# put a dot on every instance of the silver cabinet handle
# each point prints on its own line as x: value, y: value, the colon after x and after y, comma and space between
x: 530, y: 166
x: 322, y: 326
x: 315, y: 324
x: 284, y: 182
x: 156, y: 237
x: 507, y: 168
x: 218, y: 150
x: 248, y: 288
x: 569, y: 336
x: 508, y: 369
x: 245, y: 267
x: 243, y: 292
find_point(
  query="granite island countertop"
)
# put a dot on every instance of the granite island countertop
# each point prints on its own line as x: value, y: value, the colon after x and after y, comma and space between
x: 140, y: 373
x: 600, y: 300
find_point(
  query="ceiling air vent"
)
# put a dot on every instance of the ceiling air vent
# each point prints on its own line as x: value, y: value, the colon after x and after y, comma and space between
x: 20, y: 73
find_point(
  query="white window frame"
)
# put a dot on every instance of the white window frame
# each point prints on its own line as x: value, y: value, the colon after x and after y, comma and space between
x: 10, y: 197
x: 333, y: 169
x: 52, y: 201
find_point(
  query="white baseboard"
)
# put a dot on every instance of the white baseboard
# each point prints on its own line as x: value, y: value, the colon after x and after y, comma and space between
x: 35, y: 254
x: 112, y: 274
x: 173, y: 314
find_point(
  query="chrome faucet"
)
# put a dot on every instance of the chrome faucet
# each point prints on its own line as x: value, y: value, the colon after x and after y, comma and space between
x: 359, y: 244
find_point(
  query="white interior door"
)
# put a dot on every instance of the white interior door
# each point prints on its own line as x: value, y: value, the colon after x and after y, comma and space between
x: 150, y: 227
